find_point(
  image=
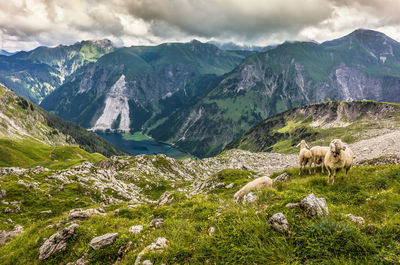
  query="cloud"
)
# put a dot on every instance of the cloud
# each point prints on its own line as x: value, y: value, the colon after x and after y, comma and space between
x: 25, y: 24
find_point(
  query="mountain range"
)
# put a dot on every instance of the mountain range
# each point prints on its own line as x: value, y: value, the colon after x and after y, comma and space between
x: 195, y: 95
x: 35, y: 74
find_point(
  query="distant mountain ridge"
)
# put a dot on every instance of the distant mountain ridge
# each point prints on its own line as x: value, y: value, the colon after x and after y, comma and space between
x: 35, y: 74
x: 136, y: 87
x: 362, y: 65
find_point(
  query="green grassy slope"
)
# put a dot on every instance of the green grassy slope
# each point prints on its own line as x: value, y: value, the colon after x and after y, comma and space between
x: 241, y: 236
x: 28, y: 153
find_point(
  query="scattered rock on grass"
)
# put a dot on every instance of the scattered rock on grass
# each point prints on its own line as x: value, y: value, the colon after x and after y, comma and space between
x: 249, y: 198
x: 136, y: 229
x: 292, y: 205
x: 156, y: 223
x: 230, y: 186
x: 314, y: 206
x: 159, y: 244
x: 79, y: 214
x: 104, y: 240
x: 166, y: 199
x: 279, y: 222
x: 211, y: 230
x: 355, y: 219
x: 147, y: 262
x: 6, y: 236
x: 57, y: 242
x: 3, y: 194
x: 282, y: 177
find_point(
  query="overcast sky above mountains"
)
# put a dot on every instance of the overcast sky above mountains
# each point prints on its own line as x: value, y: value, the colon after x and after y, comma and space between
x: 26, y: 24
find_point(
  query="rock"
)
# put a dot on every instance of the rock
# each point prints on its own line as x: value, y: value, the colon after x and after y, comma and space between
x: 166, y: 199
x: 279, y: 222
x: 104, y: 240
x: 136, y: 229
x: 314, y: 206
x: 79, y: 214
x: 249, y: 198
x: 220, y: 185
x: 3, y: 194
x: 211, y: 230
x: 292, y: 205
x: 46, y: 211
x: 7, y: 236
x: 147, y: 262
x: 230, y: 186
x: 159, y: 244
x: 57, y: 242
x: 355, y: 219
x: 282, y: 177
x: 156, y: 223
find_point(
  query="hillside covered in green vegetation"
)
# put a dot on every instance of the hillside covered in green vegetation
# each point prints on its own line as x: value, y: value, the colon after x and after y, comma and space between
x: 200, y: 226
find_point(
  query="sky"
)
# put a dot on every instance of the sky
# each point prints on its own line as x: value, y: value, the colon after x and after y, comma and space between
x: 26, y: 24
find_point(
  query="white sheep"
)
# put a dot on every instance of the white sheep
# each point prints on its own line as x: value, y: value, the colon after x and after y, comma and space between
x: 318, y: 155
x: 258, y: 183
x: 339, y: 156
x: 305, y: 157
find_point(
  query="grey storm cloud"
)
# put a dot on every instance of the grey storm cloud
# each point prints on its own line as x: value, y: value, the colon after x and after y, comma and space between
x: 29, y: 23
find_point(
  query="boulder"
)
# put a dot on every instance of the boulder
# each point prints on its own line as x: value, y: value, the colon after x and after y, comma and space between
x: 57, y: 242
x: 104, y: 240
x: 136, y: 229
x: 156, y: 223
x: 355, y: 219
x: 6, y: 236
x: 79, y: 214
x: 279, y: 222
x: 314, y: 206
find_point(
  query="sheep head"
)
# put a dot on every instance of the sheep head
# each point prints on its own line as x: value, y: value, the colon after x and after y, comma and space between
x: 302, y: 144
x: 336, y: 146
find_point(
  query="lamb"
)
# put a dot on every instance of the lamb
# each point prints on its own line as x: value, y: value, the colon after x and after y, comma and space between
x: 305, y: 156
x: 318, y: 155
x: 258, y: 183
x: 339, y: 156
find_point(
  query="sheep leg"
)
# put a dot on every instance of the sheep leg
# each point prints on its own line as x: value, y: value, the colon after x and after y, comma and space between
x: 322, y: 167
x: 309, y: 166
x: 329, y: 174
x: 334, y: 175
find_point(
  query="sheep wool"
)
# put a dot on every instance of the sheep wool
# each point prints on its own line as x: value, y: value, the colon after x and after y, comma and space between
x: 339, y: 156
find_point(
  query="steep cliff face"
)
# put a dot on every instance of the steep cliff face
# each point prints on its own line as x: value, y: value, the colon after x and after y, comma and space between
x: 362, y: 65
x: 36, y: 73
x: 145, y: 84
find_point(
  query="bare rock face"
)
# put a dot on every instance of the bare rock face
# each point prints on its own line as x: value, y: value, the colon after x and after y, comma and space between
x: 314, y: 206
x: 136, y: 229
x: 104, y: 240
x: 6, y: 236
x: 355, y: 219
x: 282, y: 178
x: 160, y: 244
x: 279, y: 222
x: 156, y: 223
x: 57, y: 242
x: 79, y: 214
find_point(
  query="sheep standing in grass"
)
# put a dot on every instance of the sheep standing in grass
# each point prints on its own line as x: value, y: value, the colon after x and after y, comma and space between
x: 318, y: 156
x: 339, y: 156
x: 305, y: 156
